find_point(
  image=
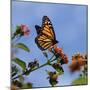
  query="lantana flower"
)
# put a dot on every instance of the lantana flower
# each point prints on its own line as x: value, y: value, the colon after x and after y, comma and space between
x: 60, y: 53
x: 53, y: 76
x: 78, y: 61
x: 33, y: 64
x: 21, y: 30
x: 25, y: 30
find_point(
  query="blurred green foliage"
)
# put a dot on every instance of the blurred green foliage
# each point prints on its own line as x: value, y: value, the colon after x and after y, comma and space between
x: 82, y: 80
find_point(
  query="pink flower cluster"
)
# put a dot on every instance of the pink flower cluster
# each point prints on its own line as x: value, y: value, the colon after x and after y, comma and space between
x: 25, y: 30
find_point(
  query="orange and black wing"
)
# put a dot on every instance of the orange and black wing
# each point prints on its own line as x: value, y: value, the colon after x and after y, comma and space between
x: 47, y: 28
x: 46, y: 35
x: 38, y: 29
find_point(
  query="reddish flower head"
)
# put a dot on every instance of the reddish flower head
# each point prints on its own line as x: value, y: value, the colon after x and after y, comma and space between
x: 58, y: 50
x: 64, y: 58
x: 78, y: 61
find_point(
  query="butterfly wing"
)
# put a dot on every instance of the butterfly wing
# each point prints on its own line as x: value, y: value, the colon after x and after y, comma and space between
x: 46, y: 36
x: 47, y: 28
x: 43, y: 42
x: 38, y: 29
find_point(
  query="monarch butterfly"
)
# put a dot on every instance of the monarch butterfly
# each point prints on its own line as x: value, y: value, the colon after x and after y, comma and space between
x: 45, y: 34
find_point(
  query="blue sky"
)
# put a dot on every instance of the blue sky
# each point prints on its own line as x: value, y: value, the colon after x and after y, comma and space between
x: 70, y: 26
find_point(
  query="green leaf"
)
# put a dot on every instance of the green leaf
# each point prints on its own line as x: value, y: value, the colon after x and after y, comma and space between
x: 27, y: 72
x: 58, y: 68
x: 21, y: 78
x: 21, y: 63
x: 22, y: 46
x: 27, y: 85
x: 14, y: 69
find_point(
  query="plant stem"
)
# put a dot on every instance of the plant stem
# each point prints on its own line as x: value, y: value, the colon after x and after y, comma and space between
x: 43, y: 65
x: 36, y: 68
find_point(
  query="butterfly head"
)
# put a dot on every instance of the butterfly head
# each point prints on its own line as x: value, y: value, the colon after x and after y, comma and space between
x: 55, y: 42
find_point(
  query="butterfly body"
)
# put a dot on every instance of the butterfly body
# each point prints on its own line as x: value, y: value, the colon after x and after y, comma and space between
x: 45, y: 34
